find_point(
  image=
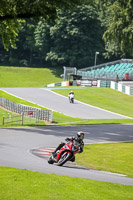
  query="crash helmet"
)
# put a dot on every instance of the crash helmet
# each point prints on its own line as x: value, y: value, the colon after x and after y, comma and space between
x: 80, y: 135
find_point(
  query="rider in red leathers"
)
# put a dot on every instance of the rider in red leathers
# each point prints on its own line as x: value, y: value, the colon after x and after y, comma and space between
x: 78, y: 139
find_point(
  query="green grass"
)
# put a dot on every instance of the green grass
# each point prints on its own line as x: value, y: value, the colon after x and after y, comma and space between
x: 105, y: 98
x: 16, y: 184
x: 112, y: 157
x: 28, y: 77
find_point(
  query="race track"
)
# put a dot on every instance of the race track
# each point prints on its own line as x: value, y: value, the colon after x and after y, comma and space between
x: 59, y: 103
x: 17, y: 144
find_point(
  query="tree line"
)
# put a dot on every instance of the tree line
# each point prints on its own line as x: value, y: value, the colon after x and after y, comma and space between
x: 65, y: 34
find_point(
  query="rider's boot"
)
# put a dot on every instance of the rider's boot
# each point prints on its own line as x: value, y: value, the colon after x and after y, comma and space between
x: 58, y: 148
x: 54, y: 154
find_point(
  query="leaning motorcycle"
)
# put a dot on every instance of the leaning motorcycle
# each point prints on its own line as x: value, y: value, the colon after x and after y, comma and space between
x: 66, y: 153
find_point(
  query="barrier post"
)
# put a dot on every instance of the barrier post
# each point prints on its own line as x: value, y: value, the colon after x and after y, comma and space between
x: 21, y: 118
x: 3, y: 118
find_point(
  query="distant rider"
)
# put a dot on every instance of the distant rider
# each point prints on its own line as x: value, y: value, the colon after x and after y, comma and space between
x: 71, y: 95
x: 78, y: 140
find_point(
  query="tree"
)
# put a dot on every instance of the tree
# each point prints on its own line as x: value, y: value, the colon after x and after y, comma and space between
x: 12, y: 12
x: 43, y: 41
x: 73, y: 39
x: 9, y: 30
x: 119, y: 33
x: 26, y: 44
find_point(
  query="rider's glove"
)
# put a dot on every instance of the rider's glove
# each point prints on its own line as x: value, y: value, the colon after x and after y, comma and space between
x: 67, y: 139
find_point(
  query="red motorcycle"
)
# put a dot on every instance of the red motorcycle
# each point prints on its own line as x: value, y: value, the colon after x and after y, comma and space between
x: 66, y: 153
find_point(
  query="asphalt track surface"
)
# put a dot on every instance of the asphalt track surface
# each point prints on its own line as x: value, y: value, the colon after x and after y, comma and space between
x: 59, y: 103
x: 17, y: 145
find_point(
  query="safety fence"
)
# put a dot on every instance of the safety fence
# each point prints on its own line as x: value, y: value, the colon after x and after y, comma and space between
x: 28, y: 111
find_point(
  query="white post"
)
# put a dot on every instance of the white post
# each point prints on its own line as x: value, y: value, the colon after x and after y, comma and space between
x: 64, y: 77
x: 21, y: 118
x: 96, y: 53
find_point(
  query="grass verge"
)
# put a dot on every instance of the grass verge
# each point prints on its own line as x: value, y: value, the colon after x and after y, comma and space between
x: 23, y: 184
x: 111, y: 157
x: 104, y: 98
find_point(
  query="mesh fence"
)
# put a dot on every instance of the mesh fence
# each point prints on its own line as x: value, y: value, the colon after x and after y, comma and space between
x: 28, y: 111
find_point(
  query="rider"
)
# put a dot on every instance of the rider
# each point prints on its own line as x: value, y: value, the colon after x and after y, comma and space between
x: 78, y: 139
x: 71, y: 95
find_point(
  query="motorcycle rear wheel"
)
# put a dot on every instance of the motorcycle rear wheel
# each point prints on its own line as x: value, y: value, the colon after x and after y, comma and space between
x: 63, y: 160
x: 72, y: 100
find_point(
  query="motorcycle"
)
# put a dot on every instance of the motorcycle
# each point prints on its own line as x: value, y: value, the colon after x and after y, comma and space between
x: 71, y: 98
x: 66, y: 153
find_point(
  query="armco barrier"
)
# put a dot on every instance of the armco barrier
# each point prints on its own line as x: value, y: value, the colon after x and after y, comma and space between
x: 57, y: 84
x: 131, y: 91
x: 64, y: 83
x: 26, y: 110
x: 116, y: 86
x: 121, y: 88
x: 103, y: 84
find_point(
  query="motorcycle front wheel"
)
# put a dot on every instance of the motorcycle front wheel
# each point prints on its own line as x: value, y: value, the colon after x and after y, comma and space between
x: 50, y: 160
x: 64, y: 158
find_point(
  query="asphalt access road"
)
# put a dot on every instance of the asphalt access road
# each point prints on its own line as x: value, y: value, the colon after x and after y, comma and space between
x: 59, y: 103
x: 16, y: 145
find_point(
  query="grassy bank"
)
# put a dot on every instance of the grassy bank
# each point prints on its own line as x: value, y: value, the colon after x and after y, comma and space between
x: 28, y: 77
x: 112, y: 157
x: 23, y: 184
x: 105, y: 98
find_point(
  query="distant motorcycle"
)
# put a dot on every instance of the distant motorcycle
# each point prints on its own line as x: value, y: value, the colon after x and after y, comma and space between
x: 71, y: 98
x: 66, y: 153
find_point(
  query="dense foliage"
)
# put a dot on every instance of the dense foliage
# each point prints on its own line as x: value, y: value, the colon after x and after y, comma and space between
x: 73, y: 39
x: 65, y: 33
x: 118, y: 35
x: 11, y: 11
